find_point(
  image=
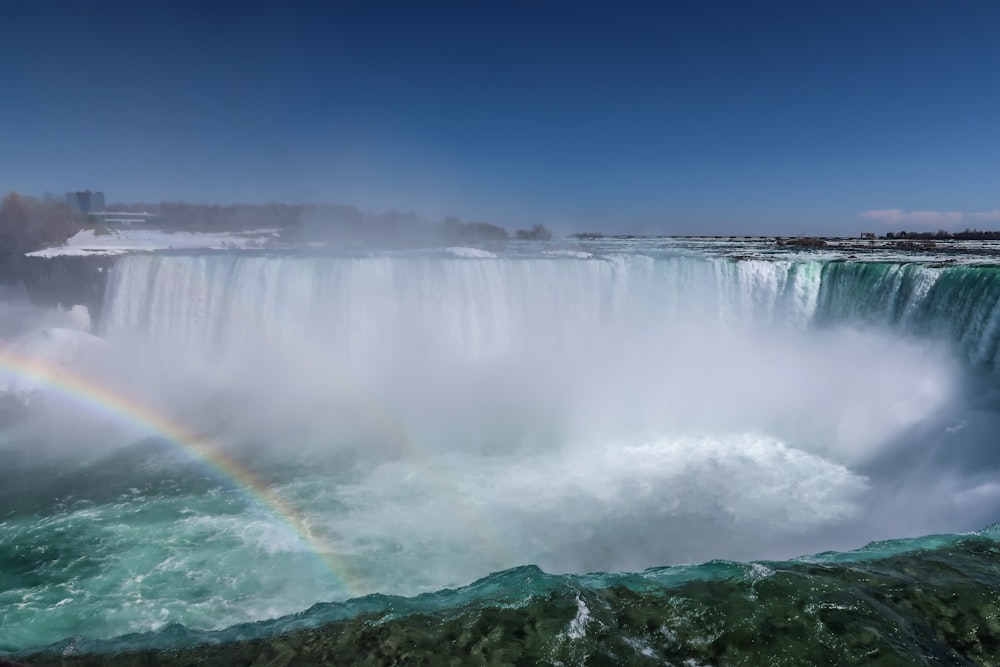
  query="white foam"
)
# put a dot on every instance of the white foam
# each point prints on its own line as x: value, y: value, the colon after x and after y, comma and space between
x: 642, y: 647
x: 79, y: 317
x: 470, y: 253
x: 578, y: 626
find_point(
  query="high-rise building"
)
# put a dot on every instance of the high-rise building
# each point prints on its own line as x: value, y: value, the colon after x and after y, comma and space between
x: 85, y: 202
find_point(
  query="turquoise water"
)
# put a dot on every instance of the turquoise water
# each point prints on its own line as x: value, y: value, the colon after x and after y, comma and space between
x: 420, y: 421
x: 918, y: 601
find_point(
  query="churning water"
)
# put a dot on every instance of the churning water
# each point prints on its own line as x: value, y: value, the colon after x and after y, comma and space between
x: 250, y: 434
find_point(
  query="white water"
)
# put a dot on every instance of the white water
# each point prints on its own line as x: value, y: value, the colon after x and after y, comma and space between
x: 439, y: 418
x: 616, y: 398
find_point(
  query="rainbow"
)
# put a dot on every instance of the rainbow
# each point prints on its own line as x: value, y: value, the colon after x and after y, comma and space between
x: 95, y: 396
x: 394, y: 433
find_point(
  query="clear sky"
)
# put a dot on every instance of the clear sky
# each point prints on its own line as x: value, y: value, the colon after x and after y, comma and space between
x: 707, y: 117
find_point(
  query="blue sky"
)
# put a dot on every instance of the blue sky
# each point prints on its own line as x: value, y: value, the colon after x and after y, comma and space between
x: 696, y: 117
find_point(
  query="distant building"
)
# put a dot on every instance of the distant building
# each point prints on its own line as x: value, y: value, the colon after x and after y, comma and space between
x: 85, y: 202
x: 868, y: 235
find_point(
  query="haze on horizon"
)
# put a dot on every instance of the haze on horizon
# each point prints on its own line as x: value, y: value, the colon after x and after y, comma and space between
x: 723, y: 118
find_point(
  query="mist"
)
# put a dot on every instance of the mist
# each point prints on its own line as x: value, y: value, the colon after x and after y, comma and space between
x: 439, y: 419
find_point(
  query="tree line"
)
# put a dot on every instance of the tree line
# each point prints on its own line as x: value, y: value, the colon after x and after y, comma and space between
x: 28, y: 223
x: 944, y: 235
x: 330, y: 223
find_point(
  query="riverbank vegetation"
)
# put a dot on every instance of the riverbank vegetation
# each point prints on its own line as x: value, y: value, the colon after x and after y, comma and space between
x: 30, y: 223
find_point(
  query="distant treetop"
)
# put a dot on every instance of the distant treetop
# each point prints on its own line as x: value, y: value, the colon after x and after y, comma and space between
x: 536, y: 233
x: 28, y: 224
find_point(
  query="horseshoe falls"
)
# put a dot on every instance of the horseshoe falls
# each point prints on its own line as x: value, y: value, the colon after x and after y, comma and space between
x: 645, y: 452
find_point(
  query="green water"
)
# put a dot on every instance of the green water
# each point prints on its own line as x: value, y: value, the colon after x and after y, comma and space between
x: 438, y: 419
x: 927, y: 601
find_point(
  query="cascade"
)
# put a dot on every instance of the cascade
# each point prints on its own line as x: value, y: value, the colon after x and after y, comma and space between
x: 483, y: 308
x: 257, y: 433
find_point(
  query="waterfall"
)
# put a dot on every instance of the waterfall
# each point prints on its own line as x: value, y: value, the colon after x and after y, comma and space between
x: 487, y: 308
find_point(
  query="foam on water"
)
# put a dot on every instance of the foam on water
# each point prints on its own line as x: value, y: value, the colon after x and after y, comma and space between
x: 441, y: 417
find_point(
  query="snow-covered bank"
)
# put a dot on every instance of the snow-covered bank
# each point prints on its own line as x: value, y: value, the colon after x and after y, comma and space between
x: 123, y: 240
